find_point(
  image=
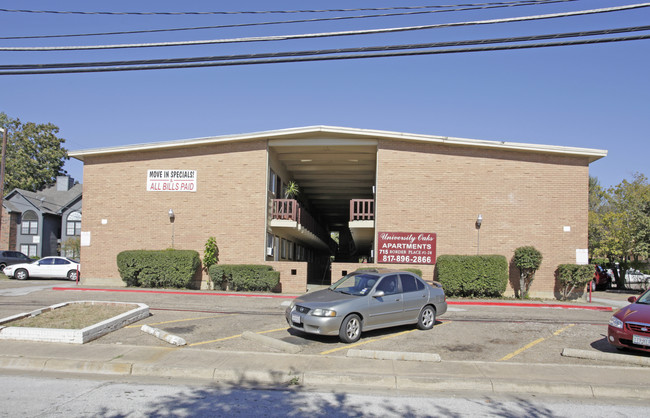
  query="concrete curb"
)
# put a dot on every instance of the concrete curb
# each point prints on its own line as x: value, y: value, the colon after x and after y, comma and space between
x: 162, y: 335
x: 597, y: 355
x: 393, y: 355
x: 272, y: 342
x: 72, y: 336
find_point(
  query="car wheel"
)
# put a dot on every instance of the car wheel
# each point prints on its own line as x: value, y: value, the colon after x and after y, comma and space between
x: 21, y: 274
x: 2, y: 267
x: 593, y: 285
x: 72, y: 275
x: 427, y: 317
x: 350, y: 330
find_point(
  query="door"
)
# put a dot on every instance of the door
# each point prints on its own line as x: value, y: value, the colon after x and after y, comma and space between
x: 415, y: 296
x: 387, y: 309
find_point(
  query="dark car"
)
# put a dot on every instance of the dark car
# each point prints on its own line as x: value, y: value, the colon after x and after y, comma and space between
x: 366, y: 300
x: 630, y: 326
x: 8, y: 258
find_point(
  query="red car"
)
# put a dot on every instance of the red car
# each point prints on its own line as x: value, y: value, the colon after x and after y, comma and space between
x: 630, y: 326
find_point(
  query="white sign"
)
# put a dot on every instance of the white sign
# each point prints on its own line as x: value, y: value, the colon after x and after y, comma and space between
x: 582, y: 256
x: 85, y: 238
x: 171, y: 181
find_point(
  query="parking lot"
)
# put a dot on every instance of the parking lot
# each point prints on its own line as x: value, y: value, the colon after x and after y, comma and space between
x: 465, y: 332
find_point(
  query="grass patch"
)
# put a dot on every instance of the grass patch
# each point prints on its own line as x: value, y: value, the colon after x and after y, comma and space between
x: 73, y: 316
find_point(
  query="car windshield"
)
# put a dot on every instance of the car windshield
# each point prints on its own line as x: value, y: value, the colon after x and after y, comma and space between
x: 644, y: 298
x: 357, y: 284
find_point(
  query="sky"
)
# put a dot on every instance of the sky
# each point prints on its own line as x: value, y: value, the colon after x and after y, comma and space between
x: 590, y: 96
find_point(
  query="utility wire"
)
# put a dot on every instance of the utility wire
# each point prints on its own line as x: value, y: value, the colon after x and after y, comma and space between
x: 329, y: 51
x: 328, y: 58
x: 270, y: 11
x: 323, y: 19
x: 325, y: 58
x: 329, y: 34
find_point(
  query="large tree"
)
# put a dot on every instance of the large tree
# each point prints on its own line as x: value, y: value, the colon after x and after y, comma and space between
x: 619, y: 222
x: 35, y: 155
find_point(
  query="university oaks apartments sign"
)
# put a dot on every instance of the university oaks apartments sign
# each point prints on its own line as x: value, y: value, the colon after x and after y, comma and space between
x: 171, y: 181
x: 406, y: 248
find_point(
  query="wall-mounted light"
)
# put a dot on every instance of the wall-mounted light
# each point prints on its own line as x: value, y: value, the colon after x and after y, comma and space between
x: 172, y: 216
x: 479, y: 221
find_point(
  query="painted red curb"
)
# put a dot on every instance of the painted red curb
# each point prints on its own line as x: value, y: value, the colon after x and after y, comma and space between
x: 474, y: 303
x: 531, y: 305
x: 168, y: 292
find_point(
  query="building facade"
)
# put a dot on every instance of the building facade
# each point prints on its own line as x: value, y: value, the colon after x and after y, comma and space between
x: 43, y: 223
x: 317, y: 202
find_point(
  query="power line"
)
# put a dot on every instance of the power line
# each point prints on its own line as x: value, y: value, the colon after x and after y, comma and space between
x: 324, y: 19
x: 268, y: 11
x: 326, y: 58
x: 329, y: 34
x: 330, y: 51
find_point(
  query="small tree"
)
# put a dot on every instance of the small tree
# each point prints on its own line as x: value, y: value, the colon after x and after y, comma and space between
x: 210, y: 255
x: 572, y: 276
x: 527, y: 260
x: 71, y: 248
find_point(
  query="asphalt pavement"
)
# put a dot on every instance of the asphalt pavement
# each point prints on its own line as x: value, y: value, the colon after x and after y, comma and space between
x: 359, y: 369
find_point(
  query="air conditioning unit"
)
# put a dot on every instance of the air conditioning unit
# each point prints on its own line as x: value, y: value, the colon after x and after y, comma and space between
x: 269, y: 251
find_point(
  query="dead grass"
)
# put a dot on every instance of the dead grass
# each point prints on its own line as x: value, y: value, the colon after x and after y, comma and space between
x: 72, y: 316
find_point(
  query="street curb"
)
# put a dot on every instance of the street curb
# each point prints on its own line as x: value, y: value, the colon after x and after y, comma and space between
x: 393, y: 355
x: 597, y: 355
x: 316, y: 379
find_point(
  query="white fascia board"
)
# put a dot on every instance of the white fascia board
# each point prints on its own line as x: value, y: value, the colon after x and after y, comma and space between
x: 282, y: 137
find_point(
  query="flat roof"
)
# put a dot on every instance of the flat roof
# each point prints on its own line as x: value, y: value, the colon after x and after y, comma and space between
x: 591, y: 154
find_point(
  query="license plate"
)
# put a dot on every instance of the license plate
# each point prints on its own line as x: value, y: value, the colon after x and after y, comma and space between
x: 637, y: 339
x: 295, y: 318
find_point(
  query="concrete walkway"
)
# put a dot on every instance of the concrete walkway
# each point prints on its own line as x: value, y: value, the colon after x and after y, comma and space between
x: 282, y: 370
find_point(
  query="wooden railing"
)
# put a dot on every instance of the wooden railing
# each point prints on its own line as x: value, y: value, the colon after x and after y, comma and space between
x: 362, y: 210
x: 289, y: 209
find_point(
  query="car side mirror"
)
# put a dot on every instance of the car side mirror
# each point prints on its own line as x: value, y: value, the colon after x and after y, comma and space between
x: 379, y: 294
x: 631, y: 299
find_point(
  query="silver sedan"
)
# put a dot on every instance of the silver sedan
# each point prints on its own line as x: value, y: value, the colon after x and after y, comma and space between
x: 367, y: 300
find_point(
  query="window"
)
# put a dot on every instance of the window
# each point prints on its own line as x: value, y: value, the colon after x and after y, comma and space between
x: 411, y: 284
x: 273, y: 178
x: 28, y: 249
x: 388, y: 285
x: 73, y: 224
x: 29, y: 223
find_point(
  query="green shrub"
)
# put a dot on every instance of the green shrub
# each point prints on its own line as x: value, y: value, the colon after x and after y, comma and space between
x: 572, y: 276
x: 527, y: 260
x: 244, y: 277
x: 158, y: 269
x: 473, y: 275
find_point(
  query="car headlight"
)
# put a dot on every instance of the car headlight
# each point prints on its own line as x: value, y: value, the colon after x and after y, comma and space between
x: 323, y: 312
x: 615, y: 322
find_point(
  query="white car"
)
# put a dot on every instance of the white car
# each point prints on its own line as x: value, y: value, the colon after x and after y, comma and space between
x: 47, y: 267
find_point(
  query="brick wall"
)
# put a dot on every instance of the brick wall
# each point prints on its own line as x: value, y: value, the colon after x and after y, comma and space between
x: 121, y: 215
x: 525, y: 199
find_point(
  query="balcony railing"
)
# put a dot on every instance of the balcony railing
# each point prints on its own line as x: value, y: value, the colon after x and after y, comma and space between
x: 289, y: 209
x: 362, y: 210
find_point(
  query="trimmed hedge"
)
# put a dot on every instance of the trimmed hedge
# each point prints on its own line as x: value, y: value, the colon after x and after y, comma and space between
x: 473, y: 275
x: 244, y: 277
x: 166, y: 269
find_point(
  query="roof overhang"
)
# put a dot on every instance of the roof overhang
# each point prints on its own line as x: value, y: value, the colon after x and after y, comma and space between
x: 295, y: 133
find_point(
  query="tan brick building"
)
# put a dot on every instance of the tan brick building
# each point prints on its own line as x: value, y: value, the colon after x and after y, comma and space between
x: 372, y: 187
